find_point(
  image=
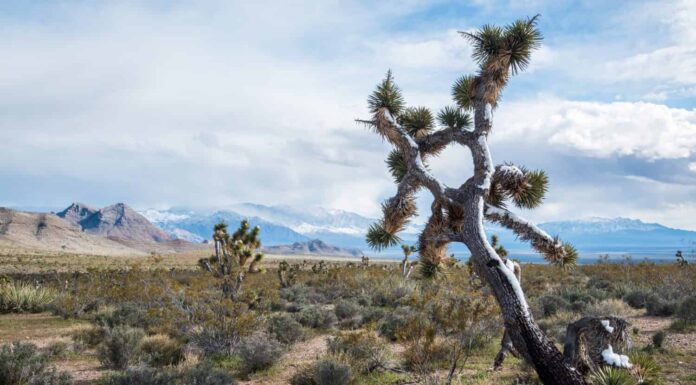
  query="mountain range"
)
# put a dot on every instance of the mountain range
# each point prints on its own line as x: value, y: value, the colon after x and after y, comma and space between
x: 282, y: 225
x: 118, y: 229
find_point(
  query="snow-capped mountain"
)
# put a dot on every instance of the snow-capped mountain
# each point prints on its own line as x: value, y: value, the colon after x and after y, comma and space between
x: 283, y: 225
x: 308, y: 221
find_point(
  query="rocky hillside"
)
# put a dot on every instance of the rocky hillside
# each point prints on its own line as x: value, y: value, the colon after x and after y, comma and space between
x: 44, y: 231
x: 116, y: 221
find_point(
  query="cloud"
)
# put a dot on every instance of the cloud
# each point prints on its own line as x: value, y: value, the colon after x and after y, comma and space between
x: 645, y: 130
x: 227, y: 102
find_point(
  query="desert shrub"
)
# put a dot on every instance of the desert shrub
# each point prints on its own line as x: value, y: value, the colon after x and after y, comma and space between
x: 387, y: 296
x: 259, y: 351
x: 128, y: 314
x: 364, y: 350
x: 555, y: 326
x: 330, y: 372
x: 659, y: 306
x: 301, y: 294
x: 579, y: 299
x: 347, y: 309
x: 161, y: 350
x: 140, y: 376
x: 19, y: 297
x: 316, y: 317
x: 90, y: 336
x: 552, y: 304
x: 609, y: 375
x: 658, y: 339
x: 22, y: 364
x: 395, y: 321
x: 636, y: 299
x: 57, y: 349
x: 221, y: 335
x: 303, y: 376
x: 121, y: 347
x: 203, y: 374
x: 285, y: 329
x: 687, y: 310
x: 609, y: 307
x: 645, y: 369
x: 372, y: 314
x: 605, y: 286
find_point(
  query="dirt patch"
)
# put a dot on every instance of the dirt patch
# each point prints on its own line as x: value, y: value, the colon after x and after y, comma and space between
x: 649, y: 325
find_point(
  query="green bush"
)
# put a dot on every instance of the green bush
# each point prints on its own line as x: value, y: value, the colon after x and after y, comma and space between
x: 19, y: 297
x: 661, y: 307
x: 394, y: 321
x: 363, y: 349
x: 636, y: 299
x: 552, y: 304
x: 203, y: 374
x: 658, y: 339
x: 285, y: 329
x: 128, y: 314
x: 259, y: 351
x: 121, y: 347
x: 316, y: 317
x: 329, y: 372
x: 303, y: 376
x: 687, y: 310
x: 346, y: 309
x: 22, y: 364
x: 90, y: 336
x: 160, y: 350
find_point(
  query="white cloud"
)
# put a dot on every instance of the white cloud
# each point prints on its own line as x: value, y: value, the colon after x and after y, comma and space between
x: 644, y: 130
x: 692, y: 167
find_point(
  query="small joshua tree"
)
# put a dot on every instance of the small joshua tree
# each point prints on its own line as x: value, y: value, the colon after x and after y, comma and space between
x: 287, y: 274
x: 406, y: 265
x: 232, y: 253
x: 457, y: 213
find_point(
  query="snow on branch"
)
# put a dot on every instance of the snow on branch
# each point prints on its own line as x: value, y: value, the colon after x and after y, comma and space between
x: 551, y: 248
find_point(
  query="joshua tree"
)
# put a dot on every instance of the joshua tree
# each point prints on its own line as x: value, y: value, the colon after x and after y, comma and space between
x: 406, y: 266
x: 458, y: 212
x: 238, y: 249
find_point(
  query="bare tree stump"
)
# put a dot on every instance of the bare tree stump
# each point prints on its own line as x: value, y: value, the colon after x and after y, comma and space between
x: 588, y: 337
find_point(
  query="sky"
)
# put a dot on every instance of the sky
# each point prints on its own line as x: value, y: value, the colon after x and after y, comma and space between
x: 210, y: 103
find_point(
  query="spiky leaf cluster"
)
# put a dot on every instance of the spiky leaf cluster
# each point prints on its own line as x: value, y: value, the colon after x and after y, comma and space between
x: 511, y: 45
x: 387, y: 95
x: 454, y: 118
x: 397, y: 165
x: 463, y: 92
x: 525, y: 188
x: 379, y: 239
x: 418, y: 121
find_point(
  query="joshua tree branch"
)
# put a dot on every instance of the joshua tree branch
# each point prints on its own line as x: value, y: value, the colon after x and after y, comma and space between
x: 550, y: 247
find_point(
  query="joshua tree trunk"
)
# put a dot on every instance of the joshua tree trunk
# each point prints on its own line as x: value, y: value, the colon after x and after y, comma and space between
x: 458, y: 213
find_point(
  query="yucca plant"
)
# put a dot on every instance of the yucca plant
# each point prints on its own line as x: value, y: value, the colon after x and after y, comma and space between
x: 609, y: 375
x: 645, y: 369
x: 17, y: 297
x: 458, y: 213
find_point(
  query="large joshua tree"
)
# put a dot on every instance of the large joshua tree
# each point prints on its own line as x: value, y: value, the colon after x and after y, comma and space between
x: 458, y: 213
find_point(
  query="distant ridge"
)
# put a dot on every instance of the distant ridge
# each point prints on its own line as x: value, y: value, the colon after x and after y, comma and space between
x: 315, y: 246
